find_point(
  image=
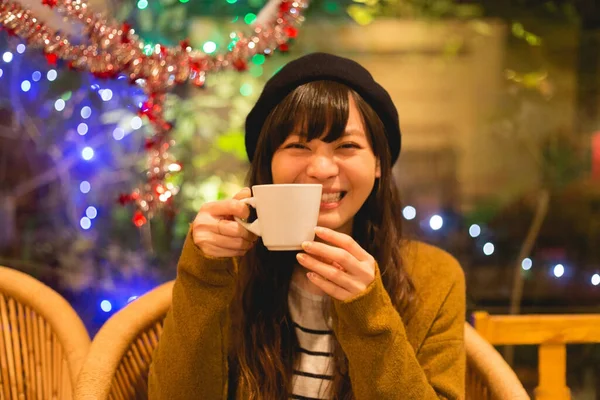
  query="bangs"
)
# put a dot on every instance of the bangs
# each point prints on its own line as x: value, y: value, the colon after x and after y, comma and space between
x: 315, y: 110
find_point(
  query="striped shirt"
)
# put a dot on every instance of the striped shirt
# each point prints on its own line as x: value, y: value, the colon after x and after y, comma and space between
x: 314, y: 359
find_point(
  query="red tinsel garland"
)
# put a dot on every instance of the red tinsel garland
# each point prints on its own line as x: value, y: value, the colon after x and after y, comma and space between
x: 112, y: 49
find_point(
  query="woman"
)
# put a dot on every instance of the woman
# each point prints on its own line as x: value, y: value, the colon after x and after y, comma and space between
x: 357, y: 314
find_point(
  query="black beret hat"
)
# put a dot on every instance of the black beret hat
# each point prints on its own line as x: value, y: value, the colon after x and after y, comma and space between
x: 317, y: 67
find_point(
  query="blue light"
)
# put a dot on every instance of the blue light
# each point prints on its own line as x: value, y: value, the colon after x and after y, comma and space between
x: 86, y: 112
x: 132, y: 298
x: 526, y: 264
x: 595, y: 279
x: 409, y: 212
x: 51, y: 75
x: 474, y: 230
x: 91, y: 212
x: 85, y: 187
x: 25, y: 86
x: 82, y: 128
x: 85, y: 223
x: 59, y: 105
x: 21, y: 48
x: 7, y: 57
x: 118, y: 134
x: 87, y: 153
x: 95, y: 87
x: 488, y: 249
x: 136, y: 123
x: 106, y: 306
x: 436, y: 222
x: 1, y: 72
x: 559, y: 270
x: 106, y: 94
x: 36, y: 76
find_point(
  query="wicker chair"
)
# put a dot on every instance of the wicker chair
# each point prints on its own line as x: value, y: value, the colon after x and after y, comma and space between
x: 43, y: 342
x: 119, y: 359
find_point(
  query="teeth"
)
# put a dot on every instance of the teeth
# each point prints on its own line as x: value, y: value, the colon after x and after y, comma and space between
x: 331, y: 197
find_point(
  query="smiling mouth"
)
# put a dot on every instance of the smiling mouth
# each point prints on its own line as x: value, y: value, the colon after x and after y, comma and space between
x: 331, y: 200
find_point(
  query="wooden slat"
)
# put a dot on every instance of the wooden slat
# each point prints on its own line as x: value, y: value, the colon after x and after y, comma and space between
x: 536, y: 329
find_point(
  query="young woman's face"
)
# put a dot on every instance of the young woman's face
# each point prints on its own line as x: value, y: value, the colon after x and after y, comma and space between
x: 347, y: 169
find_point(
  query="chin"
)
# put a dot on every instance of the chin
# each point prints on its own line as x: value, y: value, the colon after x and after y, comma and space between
x: 334, y: 222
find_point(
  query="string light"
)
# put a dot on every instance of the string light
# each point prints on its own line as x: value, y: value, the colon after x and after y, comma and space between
x: 488, y: 249
x: 106, y: 94
x: 106, y: 306
x: 559, y: 270
x: 59, y: 105
x: 136, y: 123
x: 436, y: 222
x: 118, y: 134
x: 526, y: 264
x: 1, y: 72
x: 36, y: 76
x: 209, y: 47
x: 25, y: 86
x: 474, y: 230
x: 85, y: 187
x: 7, y: 57
x: 85, y: 223
x: 595, y: 279
x: 409, y: 212
x: 82, y: 128
x: 21, y: 48
x: 87, y: 153
x: 91, y: 212
x: 86, y: 112
x: 51, y: 75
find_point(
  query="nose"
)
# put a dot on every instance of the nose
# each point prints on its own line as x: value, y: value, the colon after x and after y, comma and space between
x: 322, y: 167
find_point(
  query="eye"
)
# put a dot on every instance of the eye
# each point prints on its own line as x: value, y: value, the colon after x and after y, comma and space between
x: 349, y: 145
x: 296, y: 145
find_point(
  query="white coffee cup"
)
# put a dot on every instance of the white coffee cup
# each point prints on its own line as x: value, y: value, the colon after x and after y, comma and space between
x: 287, y: 214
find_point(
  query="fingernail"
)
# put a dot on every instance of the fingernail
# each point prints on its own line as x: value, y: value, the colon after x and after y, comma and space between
x: 311, y: 275
x: 300, y: 256
x: 305, y: 245
x: 319, y: 229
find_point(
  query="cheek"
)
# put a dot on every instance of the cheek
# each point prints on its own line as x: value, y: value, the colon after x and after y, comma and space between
x: 284, y: 170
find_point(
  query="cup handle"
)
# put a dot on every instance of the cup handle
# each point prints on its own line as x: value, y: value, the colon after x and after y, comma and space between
x: 253, y: 227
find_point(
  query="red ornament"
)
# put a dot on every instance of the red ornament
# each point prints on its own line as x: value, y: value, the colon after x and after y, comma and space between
x: 284, y: 48
x: 285, y: 6
x: 71, y: 65
x: 50, y: 3
x: 184, y: 44
x: 124, y: 199
x: 149, y: 144
x: 52, y: 59
x: 291, y: 31
x: 163, y: 50
x: 240, y: 65
x: 138, y: 219
x: 125, y: 37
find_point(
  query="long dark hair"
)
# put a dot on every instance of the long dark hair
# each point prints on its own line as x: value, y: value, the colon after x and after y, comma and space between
x: 263, y: 338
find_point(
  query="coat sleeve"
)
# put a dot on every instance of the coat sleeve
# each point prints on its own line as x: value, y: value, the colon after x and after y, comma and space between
x: 191, y: 358
x: 382, y: 362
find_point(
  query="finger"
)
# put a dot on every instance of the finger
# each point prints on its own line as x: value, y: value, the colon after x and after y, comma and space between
x: 243, y: 194
x: 216, y: 251
x: 335, y: 254
x: 230, y: 243
x: 231, y: 207
x: 232, y: 228
x: 343, y: 241
x: 329, y: 287
x: 340, y: 278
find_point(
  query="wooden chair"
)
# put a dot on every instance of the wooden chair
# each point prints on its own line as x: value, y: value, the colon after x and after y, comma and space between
x: 43, y: 342
x: 120, y: 355
x: 552, y: 333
